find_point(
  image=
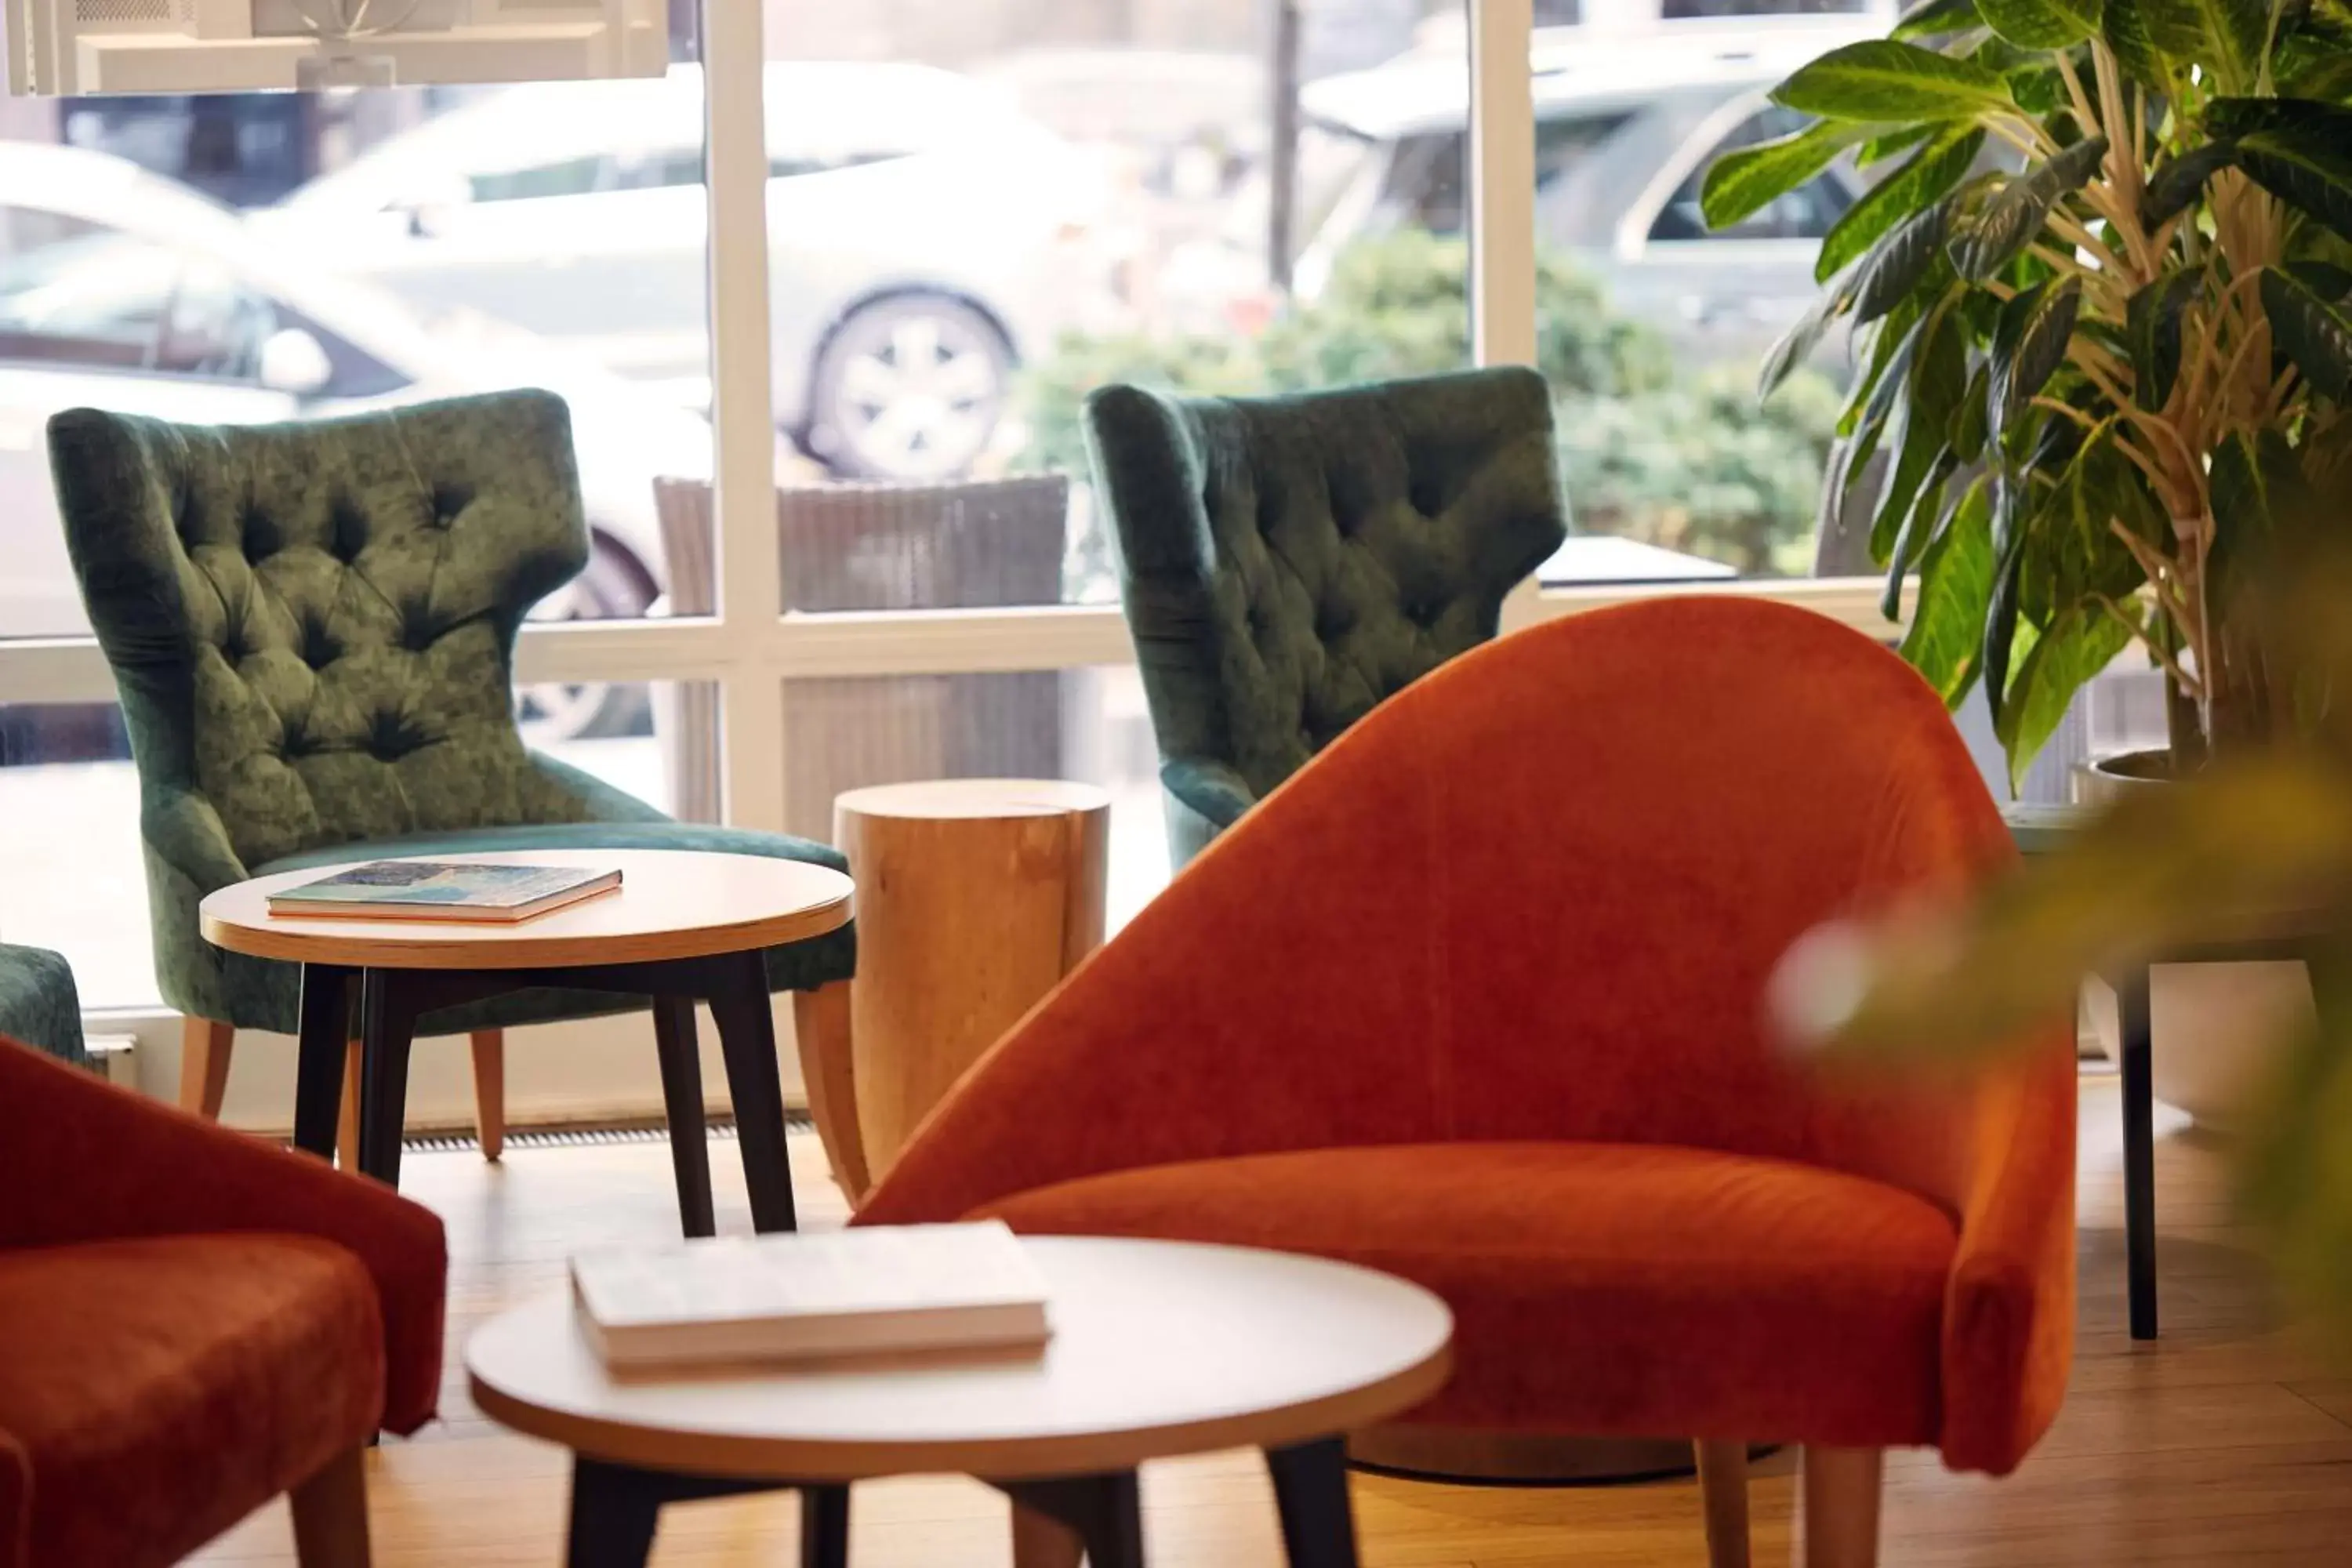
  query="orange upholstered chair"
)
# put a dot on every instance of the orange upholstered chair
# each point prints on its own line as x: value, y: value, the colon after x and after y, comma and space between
x: 192, y: 1322
x: 1476, y: 997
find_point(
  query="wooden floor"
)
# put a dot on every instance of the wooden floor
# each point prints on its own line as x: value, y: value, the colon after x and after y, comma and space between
x: 2228, y: 1442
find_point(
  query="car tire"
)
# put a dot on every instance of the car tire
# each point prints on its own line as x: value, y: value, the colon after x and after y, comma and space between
x: 910, y: 388
x: 611, y: 588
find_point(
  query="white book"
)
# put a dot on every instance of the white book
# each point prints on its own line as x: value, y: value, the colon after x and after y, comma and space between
x: 828, y: 1293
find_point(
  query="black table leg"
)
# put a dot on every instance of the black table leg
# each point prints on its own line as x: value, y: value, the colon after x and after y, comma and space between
x: 825, y: 1527
x: 747, y: 1035
x: 1104, y: 1510
x: 614, y: 1510
x: 2136, y: 1033
x: 1310, y: 1490
x: 681, y: 1080
x: 387, y: 1028
x: 326, y: 1022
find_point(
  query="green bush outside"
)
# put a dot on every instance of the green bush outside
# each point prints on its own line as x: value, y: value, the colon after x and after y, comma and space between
x: 1682, y: 458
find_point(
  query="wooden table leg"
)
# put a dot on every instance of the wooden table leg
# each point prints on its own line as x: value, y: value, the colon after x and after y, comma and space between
x: 747, y: 1037
x: 2135, y: 1029
x: 325, y: 1022
x: 1310, y: 1490
x: 615, y: 1513
x: 1103, y: 1511
x: 690, y: 1139
x: 825, y: 1527
x: 387, y: 1030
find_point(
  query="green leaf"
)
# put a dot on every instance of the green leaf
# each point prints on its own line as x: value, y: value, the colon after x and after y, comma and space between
x: 2073, y: 529
x: 2041, y: 93
x: 2124, y: 27
x: 1797, y: 344
x: 1948, y: 617
x: 2224, y: 38
x: 1882, y: 79
x: 2260, y: 492
x: 1921, y: 516
x: 2325, y: 278
x: 2152, y: 327
x: 1879, y: 148
x: 2313, y: 334
x: 1933, y: 18
x: 2029, y: 345
x: 2179, y: 181
x: 1972, y: 418
x: 2001, y: 635
x: 1926, y: 177
x: 1903, y: 259
x: 2324, y: 75
x: 1745, y: 180
x: 2039, y: 24
x: 1999, y: 227
x: 2299, y: 150
x: 2081, y: 643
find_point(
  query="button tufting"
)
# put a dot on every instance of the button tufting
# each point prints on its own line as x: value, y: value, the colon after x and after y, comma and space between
x: 319, y: 648
x: 448, y: 501
x: 259, y: 535
x: 350, y: 530
x: 232, y: 645
x: 417, y: 631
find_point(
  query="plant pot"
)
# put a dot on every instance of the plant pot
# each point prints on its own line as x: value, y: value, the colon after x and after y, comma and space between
x: 2217, y: 1026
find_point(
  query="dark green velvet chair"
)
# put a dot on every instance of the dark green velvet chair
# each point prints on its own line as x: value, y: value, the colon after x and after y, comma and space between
x: 1288, y: 562
x: 38, y: 1007
x: 312, y: 627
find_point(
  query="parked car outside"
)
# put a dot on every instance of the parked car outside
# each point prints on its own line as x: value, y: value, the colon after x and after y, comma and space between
x: 121, y: 289
x: 1625, y: 128
x: 923, y: 235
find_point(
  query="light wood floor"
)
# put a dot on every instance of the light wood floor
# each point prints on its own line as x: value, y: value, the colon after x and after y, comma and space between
x: 2228, y: 1442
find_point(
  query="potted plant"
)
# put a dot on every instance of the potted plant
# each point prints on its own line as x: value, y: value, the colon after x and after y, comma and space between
x: 2103, y: 318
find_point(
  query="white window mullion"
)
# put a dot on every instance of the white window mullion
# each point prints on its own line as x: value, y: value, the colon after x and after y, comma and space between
x: 1502, y: 180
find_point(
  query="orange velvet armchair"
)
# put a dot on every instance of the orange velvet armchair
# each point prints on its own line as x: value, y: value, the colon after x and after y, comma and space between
x: 191, y: 1323
x: 1476, y: 997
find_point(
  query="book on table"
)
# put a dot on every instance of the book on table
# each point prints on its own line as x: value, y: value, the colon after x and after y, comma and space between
x: 811, y: 1295
x: 444, y: 891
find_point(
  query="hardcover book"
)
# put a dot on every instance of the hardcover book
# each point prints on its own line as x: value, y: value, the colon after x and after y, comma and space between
x: 443, y: 891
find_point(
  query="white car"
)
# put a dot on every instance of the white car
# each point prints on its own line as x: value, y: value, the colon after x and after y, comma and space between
x: 121, y: 289
x: 923, y: 235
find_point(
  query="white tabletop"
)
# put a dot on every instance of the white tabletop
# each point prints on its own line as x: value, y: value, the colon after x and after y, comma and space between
x: 1159, y: 1349
x: 671, y: 904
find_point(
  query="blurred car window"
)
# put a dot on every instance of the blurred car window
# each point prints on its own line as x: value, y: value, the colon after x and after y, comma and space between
x: 1808, y: 212
x: 1424, y: 184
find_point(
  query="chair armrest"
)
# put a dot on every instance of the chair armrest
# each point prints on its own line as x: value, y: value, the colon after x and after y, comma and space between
x: 81, y: 1160
x: 186, y: 833
x: 602, y: 802
x: 1214, y: 789
x: 39, y: 1005
x: 2009, y: 1311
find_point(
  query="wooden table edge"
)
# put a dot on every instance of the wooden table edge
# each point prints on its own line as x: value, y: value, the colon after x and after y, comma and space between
x: 785, y: 1460
x: 513, y: 947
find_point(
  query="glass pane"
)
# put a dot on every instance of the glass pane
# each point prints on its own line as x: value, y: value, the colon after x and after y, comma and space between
x: 72, y: 875
x: 981, y: 216
x: 240, y: 257
x: 1088, y: 724
x: 1651, y: 326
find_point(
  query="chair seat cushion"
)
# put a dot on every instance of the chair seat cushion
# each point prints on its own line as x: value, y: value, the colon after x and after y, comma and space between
x: 1602, y: 1289
x: 157, y: 1390
x: 801, y: 966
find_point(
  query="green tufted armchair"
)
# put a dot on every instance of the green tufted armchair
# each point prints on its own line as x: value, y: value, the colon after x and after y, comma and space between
x: 1288, y: 562
x: 312, y: 628
x: 38, y: 1007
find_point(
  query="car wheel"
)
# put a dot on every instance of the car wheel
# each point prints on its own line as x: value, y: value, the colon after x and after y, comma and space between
x: 910, y: 387
x: 610, y: 588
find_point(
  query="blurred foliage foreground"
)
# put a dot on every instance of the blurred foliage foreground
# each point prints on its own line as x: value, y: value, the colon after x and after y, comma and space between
x: 1685, y: 459
x: 2258, y: 843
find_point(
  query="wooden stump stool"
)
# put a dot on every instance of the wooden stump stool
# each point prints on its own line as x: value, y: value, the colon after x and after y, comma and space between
x: 974, y: 898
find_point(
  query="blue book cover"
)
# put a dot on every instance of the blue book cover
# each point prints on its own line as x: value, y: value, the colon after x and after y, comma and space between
x: 443, y: 889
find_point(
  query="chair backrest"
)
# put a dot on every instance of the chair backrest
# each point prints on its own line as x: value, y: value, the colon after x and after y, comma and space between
x: 1289, y: 563
x: 312, y: 624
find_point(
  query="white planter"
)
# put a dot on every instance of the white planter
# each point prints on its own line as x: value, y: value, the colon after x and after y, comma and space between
x: 2217, y: 1027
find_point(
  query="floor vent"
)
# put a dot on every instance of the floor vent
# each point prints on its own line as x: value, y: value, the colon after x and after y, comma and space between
x: 582, y: 1137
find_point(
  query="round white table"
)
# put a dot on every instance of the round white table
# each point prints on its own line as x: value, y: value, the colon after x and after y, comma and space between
x: 1159, y: 1349
x: 683, y: 926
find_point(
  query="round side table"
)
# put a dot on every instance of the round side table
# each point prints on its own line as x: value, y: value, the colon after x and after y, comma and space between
x: 1160, y: 1348
x: 975, y: 898
x: 684, y: 926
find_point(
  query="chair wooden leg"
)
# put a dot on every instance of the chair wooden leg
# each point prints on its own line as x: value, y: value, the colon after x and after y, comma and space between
x: 347, y: 1120
x: 490, y: 1089
x: 1723, y: 1489
x: 1040, y: 1540
x: 1842, y: 1506
x: 331, y: 1519
x: 821, y: 1031
x: 205, y: 1048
